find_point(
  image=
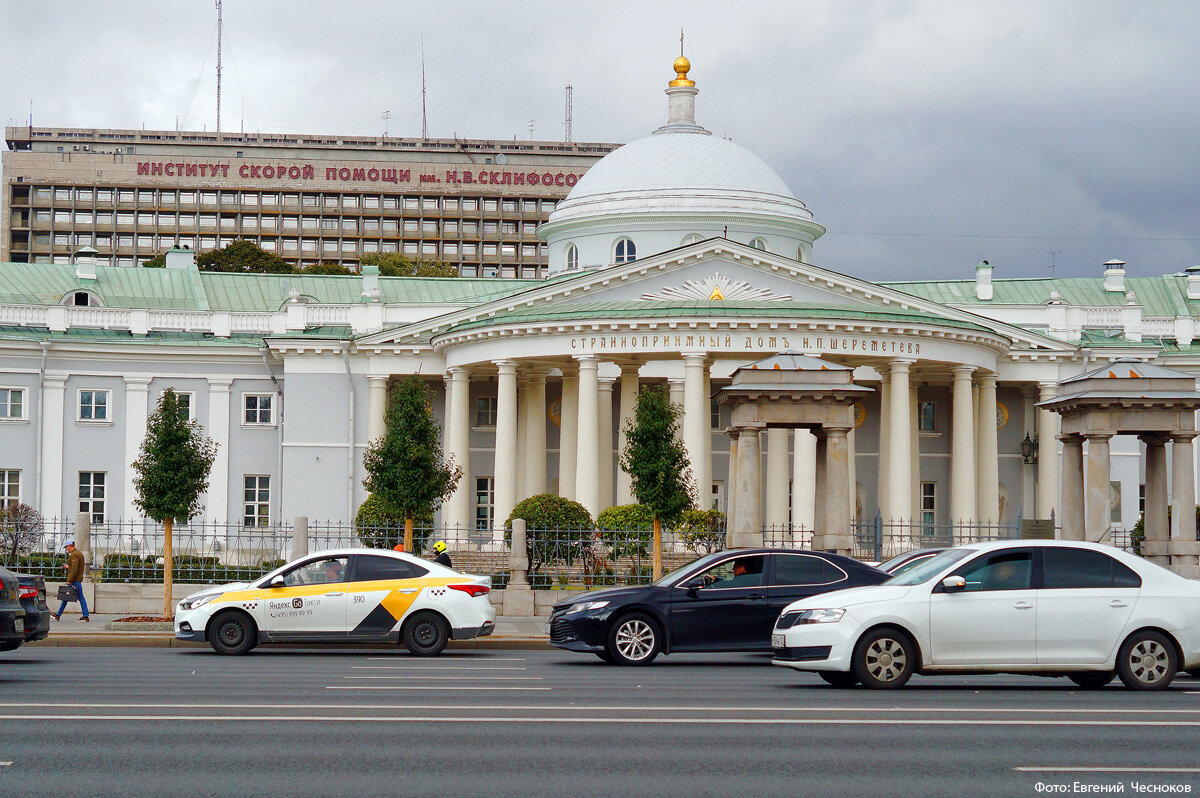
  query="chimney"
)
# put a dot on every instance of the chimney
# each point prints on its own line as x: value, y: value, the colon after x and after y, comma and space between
x: 370, y: 282
x: 180, y: 258
x: 983, y: 281
x: 1193, y: 282
x: 1114, y: 276
x: 85, y: 264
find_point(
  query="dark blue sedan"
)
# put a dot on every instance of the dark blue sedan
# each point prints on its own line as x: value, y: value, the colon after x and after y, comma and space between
x: 726, y: 601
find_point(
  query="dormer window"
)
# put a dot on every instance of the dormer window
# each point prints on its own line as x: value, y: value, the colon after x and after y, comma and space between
x: 572, y: 257
x: 690, y: 238
x: 81, y: 299
x: 760, y: 243
x: 625, y: 251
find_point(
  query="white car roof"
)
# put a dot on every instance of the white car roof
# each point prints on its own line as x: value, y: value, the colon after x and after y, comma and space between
x: 1144, y: 568
x: 399, y: 555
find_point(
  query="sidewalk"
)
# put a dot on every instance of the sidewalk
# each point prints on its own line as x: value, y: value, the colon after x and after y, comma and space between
x: 511, y: 633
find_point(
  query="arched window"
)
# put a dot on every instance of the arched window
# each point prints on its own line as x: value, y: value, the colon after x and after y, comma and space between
x: 81, y: 298
x: 690, y: 238
x: 572, y: 257
x: 760, y: 243
x: 625, y: 251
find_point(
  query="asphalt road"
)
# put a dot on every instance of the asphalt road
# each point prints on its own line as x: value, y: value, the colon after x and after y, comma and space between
x: 131, y: 722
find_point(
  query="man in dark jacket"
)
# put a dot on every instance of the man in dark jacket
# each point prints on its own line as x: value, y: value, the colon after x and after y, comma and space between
x: 74, y: 566
x: 442, y: 557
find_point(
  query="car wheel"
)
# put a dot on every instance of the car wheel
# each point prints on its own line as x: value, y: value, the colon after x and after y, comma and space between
x: 232, y: 633
x: 839, y: 678
x: 426, y: 634
x: 10, y: 646
x: 633, y: 640
x: 1091, y: 680
x: 884, y: 659
x: 1146, y: 661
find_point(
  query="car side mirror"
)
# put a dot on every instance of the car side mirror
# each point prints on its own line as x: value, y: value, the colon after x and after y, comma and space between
x: 693, y: 584
x: 278, y: 582
x: 953, y: 584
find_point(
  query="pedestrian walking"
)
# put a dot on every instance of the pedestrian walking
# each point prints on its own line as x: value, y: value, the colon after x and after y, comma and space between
x: 74, y: 566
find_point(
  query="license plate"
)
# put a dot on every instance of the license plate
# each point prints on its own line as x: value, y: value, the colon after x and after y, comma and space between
x: 777, y: 641
x: 19, y: 624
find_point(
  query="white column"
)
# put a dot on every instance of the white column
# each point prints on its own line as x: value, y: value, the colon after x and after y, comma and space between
x: 51, y: 479
x: 914, y: 452
x: 1185, y: 556
x: 520, y: 491
x: 587, y: 460
x: 962, y: 448
x: 1097, y: 497
x: 605, y: 429
x: 568, y: 435
x: 505, y: 468
x: 1047, y: 435
x: 836, y: 536
x: 533, y: 424
x: 377, y: 405
x: 988, y: 485
x: 137, y: 403
x: 731, y: 479
x: 676, y: 391
x: 776, y: 505
x: 458, y: 510
x: 629, y: 392
x: 217, y: 499
x: 1154, y: 547
x: 1072, y: 517
x: 852, y: 471
x: 696, y: 424
x: 900, y: 444
x: 804, y: 480
x: 883, y: 463
x: 748, y: 528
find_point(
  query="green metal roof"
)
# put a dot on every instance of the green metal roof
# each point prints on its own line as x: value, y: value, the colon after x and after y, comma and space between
x: 82, y: 335
x: 1158, y: 296
x: 645, y: 309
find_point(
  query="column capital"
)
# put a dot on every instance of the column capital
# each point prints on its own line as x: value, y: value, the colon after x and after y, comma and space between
x: 459, y: 372
x: 1070, y: 438
x: 749, y: 428
x: 535, y: 376
x: 1155, y: 438
x: 836, y: 430
x: 506, y: 366
x: 901, y: 364
x: 587, y: 359
x: 629, y: 368
x: 962, y: 372
x: 606, y: 383
x: 1101, y: 434
x: 694, y: 358
x: 54, y: 381
x: 375, y: 379
x: 987, y: 379
x: 733, y: 433
x: 219, y: 385
x: 1048, y: 390
x: 138, y: 383
x: 1183, y: 435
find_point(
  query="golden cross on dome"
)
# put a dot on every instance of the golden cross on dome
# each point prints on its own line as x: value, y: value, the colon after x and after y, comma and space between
x: 681, y: 67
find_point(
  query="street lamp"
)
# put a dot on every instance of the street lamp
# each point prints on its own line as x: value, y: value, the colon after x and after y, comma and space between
x: 1029, y: 450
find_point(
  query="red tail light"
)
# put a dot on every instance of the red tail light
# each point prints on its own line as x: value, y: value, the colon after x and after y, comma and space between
x: 471, y: 590
x: 28, y: 592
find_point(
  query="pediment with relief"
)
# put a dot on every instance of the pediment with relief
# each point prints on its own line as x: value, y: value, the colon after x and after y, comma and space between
x: 717, y: 288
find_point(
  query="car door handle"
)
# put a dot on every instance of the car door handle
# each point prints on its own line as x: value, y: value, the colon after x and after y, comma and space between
x: 756, y: 597
x: 1117, y: 603
x: 1023, y: 605
x: 407, y: 589
x: 335, y: 594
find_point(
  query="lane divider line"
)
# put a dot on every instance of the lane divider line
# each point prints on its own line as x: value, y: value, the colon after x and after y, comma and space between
x: 627, y: 721
x: 1029, y: 769
x: 457, y: 678
x: 422, y: 687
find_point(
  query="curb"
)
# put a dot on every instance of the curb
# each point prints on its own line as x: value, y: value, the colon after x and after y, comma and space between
x: 151, y: 640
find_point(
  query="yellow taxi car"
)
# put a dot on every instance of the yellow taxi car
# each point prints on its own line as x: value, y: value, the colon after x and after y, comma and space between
x: 342, y: 596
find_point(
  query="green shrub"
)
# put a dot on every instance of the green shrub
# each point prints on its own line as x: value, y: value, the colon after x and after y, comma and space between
x: 702, y: 531
x: 627, y: 530
x: 378, y: 528
x: 557, y: 530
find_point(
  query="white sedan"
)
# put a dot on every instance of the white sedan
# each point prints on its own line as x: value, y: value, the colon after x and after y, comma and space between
x: 1054, y: 607
x: 345, y: 595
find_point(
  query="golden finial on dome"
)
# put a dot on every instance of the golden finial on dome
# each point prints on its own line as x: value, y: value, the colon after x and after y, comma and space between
x: 682, y: 66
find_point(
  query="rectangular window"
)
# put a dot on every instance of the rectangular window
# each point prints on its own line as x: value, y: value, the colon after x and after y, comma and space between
x: 256, y: 500
x: 104, y: 195
x: 485, y: 502
x: 714, y: 415
x: 491, y: 205
x: 429, y: 226
x: 928, y: 508
x: 12, y: 403
x: 146, y: 197
x: 257, y: 408
x: 93, y: 405
x: 508, y: 228
x: 10, y: 488
x: 926, y: 412
x: 1142, y: 499
x: 485, y: 411
x: 509, y: 206
x: 91, y: 494
x: 470, y: 204
x: 186, y: 401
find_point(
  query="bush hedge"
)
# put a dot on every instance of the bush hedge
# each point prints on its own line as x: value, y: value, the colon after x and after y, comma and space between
x: 627, y: 530
x: 557, y: 530
x: 380, y: 528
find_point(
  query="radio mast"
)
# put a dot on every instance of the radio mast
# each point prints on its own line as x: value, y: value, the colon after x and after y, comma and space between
x: 569, y: 116
x: 218, y: 66
x: 424, y: 118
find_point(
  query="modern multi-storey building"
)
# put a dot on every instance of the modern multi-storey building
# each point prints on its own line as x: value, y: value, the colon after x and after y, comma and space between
x: 132, y: 194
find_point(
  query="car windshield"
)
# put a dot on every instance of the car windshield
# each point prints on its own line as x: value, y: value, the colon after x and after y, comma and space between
x: 929, y: 568
x: 889, y: 564
x: 667, y: 579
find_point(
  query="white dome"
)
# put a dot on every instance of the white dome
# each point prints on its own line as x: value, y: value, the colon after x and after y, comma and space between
x: 680, y: 172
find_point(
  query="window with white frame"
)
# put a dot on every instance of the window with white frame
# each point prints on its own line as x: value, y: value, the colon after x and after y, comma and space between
x: 91, y: 494
x: 691, y: 238
x: 93, y: 405
x: 928, y: 508
x: 714, y: 415
x: 258, y: 409
x: 485, y: 411
x: 760, y: 243
x: 485, y: 502
x: 10, y: 488
x: 624, y: 251
x: 572, y: 257
x: 256, y: 500
x: 926, y: 416
x: 12, y: 403
x: 186, y: 402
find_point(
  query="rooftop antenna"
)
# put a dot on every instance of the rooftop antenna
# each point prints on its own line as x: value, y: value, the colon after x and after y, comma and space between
x: 424, y: 118
x: 1053, y: 255
x: 531, y: 121
x: 568, y: 120
x: 386, y: 115
x: 219, y: 26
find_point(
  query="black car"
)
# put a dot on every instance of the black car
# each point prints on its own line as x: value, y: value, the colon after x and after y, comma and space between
x: 12, y: 614
x: 902, y: 562
x: 32, y: 592
x: 726, y: 601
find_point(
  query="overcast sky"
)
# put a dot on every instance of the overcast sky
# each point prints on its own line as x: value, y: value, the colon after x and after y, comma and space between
x: 924, y: 135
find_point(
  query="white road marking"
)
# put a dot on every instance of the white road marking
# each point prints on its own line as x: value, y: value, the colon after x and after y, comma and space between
x: 425, y: 687
x: 439, y: 668
x: 626, y: 721
x: 5, y: 764
x: 477, y: 678
x: 1027, y: 769
x: 489, y: 659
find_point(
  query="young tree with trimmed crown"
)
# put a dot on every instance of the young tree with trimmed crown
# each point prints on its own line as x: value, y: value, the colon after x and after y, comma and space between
x: 171, y: 473
x: 657, y: 463
x: 406, y: 468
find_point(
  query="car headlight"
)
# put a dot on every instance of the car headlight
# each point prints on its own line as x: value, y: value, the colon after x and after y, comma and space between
x: 585, y: 606
x: 198, y: 601
x: 820, y: 616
